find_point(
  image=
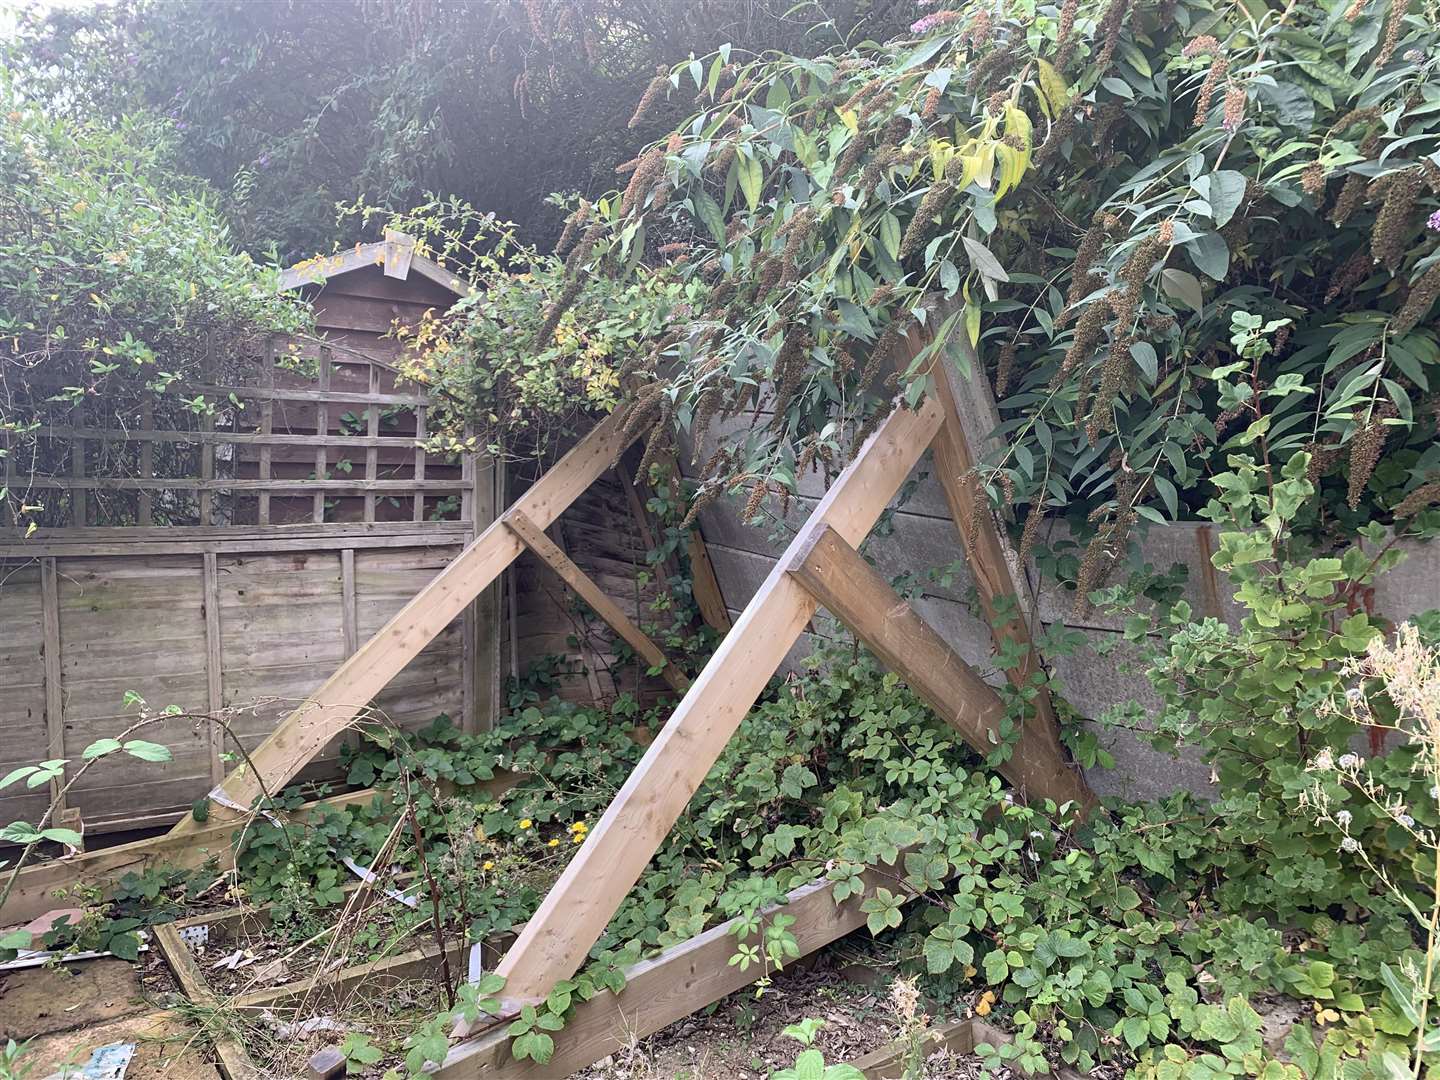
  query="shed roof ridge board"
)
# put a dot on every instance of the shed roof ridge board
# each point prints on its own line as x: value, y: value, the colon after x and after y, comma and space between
x: 396, y: 258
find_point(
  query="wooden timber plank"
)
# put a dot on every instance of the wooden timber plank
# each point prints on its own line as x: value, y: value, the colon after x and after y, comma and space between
x: 214, y: 666
x: 705, y: 585
x: 54, y: 695
x: 661, y: 990
x: 836, y: 575
x: 592, y: 594
x: 890, y: 1062
x: 227, y: 532
x: 580, y: 904
x: 345, y: 694
x: 34, y: 890
x: 235, y: 1064
x: 183, y: 483
x: 147, y: 436
x: 978, y: 533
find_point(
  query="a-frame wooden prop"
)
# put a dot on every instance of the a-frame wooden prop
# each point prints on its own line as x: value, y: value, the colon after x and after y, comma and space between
x: 821, y: 567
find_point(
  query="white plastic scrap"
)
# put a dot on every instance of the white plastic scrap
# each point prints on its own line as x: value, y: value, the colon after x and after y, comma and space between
x: 368, y: 876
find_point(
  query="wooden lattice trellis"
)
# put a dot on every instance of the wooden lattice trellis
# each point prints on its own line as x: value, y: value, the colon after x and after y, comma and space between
x: 322, y: 433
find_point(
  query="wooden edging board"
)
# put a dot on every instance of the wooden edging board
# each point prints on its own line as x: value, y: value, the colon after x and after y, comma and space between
x: 235, y: 1064
x: 34, y: 891
x: 663, y: 989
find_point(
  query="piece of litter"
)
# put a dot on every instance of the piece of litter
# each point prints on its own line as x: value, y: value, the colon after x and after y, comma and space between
x: 106, y: 1063
x: 287, y: 1030
x: 195, y: 936
x: 368, y: 876
x: 28, y: 958
x: 238, y: 959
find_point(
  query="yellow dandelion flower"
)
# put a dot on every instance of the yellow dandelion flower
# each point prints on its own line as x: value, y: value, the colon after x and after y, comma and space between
x: 554, y: 842
x: 525, y: 823
x: 487, y: 865
x: 578, y: 838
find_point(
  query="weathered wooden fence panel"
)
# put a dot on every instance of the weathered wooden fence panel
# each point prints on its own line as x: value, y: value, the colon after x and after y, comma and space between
x: 284, y: 608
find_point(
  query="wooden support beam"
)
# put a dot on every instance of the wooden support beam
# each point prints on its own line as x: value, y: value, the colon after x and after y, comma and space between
x: 574, y: 913
x: 332, y: 707
x: 979, y: 535
x: 54, y: 695
x: 705, y: 585
x: 836, y: 575
x: 535, y: 539
x: 663, y: 989
x: 214, y: 665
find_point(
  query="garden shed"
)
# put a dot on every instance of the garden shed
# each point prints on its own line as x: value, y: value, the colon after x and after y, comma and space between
x: 231, y: 558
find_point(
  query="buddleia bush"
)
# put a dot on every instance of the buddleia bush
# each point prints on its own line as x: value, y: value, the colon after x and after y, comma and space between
x: 1077, y: 198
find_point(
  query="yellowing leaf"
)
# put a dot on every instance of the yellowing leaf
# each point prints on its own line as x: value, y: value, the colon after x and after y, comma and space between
x: 1012, y: 166
x: 849, y: 119
x: 750, y: 179
x: 985, y: 165
x: 1052, y: 87
x: 986, y: 1002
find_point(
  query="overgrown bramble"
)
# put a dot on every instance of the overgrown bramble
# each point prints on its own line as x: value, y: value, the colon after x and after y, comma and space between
x: 1031, y: 532
x: 1089, y: 329
x: 1234, y: 111
x: 1349, y: 274
x: 755, y: 501
x: 1004, y: 369
x: 931, y: 206
x: 572, y: 228
x: 1109, y: 29
x: 934, y: 20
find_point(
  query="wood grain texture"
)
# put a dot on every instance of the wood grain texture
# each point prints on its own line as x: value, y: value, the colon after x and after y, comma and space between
x: 536, y: 540
x: 345, y: 694
x: 661, y: 990
x: 235, y: 1064
x: 577, y: 908
x: 836, y: 575
x: 955, y: 458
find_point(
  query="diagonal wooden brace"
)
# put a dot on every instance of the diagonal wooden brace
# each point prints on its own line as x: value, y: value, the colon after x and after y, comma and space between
x: 574, y: 913
x: 546, y: 549
x: 840, y: 579
x: 344, y: 695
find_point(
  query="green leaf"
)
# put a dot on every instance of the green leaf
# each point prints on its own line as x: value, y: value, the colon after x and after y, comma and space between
x: 1183, y: 286
x: 17, y: 774
x: 147, y: 751
x: 100, y: 747
x: 984, y: 260
x: 16, y: 939
x: 63, y: 836
x: 890, y: 235
x: 751, y: 178
x: 1209, y: 254
x: 1224, y: 190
